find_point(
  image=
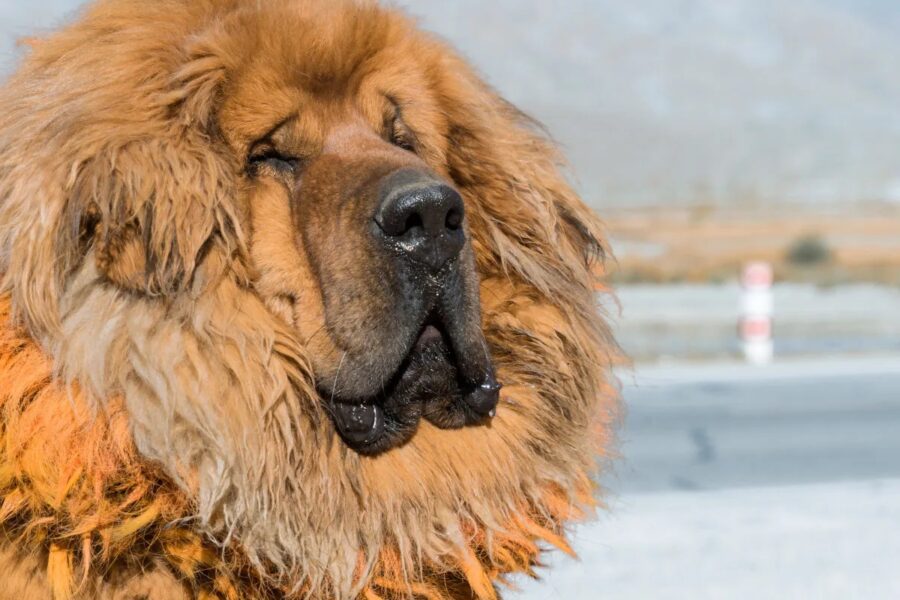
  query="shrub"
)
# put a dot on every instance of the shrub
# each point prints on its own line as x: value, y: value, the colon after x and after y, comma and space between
x: 809, y: 251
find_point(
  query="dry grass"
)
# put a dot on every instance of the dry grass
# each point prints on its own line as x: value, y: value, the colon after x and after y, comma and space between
x: 702, y: 244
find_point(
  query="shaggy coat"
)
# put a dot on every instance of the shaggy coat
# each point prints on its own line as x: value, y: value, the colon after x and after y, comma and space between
x: 161, y: 432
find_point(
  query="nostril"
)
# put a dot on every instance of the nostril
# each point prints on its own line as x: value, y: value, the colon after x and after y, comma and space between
x: 413, y: 221
x: 454, y: 220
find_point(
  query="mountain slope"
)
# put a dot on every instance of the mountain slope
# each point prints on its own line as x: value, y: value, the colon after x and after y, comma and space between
x: 662, y: 101
x: 723, y: 100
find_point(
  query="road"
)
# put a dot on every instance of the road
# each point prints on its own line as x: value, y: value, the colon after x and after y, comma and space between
x: 804, y: 422
x: 745, y: 483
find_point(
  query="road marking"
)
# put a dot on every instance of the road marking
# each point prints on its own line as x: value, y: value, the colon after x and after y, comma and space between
x: 734, y: 372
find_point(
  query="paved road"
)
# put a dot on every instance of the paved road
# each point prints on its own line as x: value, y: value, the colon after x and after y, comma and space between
x: 744, y: 483
x: 734, y: 426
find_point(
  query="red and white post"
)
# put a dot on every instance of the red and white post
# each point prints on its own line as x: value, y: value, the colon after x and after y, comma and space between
x: 757, y: 308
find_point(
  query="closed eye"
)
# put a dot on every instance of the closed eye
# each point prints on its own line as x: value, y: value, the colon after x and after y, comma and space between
x: 403, y: 141
x: 398, y: 132
x: 268, y: 158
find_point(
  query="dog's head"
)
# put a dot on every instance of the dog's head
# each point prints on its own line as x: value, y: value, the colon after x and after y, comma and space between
x: 361, y: 242
x: 308, y: 246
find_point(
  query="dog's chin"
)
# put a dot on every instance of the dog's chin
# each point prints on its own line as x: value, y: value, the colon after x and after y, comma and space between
x: 428, y: 384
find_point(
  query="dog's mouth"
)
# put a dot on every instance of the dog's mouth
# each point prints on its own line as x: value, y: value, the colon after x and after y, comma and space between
x: 440, y: 379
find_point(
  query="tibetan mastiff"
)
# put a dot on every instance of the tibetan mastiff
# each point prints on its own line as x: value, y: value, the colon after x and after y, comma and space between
x: 293, y: 305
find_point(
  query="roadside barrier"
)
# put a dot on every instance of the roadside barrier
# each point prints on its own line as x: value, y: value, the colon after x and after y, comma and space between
x: 757, y: 307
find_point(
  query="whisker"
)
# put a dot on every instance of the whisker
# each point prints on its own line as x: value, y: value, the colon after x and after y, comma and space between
x: 337, y: 376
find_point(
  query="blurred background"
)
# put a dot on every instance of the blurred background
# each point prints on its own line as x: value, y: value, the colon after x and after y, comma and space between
x: 761, y: 450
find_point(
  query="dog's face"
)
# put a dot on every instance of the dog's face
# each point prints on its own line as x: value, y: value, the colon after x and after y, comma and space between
x: 363, y: 247
x: 305, y: 245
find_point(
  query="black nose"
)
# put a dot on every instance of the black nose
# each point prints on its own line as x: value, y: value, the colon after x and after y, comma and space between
x: 421, y: 218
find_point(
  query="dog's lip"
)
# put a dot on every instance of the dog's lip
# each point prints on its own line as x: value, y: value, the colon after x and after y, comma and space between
x: 430, y: 333
x: 481, y: 396
x: 484, y: 398
x: 363, y: 423
x: 359, y: 424
x: 431, y: 338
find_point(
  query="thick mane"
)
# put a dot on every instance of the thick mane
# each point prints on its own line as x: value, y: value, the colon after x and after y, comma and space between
x: 157, y: 418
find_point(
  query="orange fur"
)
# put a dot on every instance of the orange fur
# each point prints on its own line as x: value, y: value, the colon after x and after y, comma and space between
x: 73, y: 487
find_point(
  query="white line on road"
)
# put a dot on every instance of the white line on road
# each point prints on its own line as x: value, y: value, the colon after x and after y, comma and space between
x: 715, y: 372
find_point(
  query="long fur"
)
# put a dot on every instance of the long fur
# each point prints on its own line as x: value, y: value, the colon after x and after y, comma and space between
x: 158, y: 420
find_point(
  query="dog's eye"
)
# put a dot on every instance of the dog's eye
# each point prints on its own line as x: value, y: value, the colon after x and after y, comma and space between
x: 399, y: 132
x: 266, y: 157
x: 404, y: 143
x: 402, y: 139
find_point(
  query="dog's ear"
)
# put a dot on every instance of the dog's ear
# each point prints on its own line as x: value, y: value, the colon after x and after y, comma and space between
x: 150, y: 209
x: 530, y: 218
x: 109, y: 153
x: 152, y: 202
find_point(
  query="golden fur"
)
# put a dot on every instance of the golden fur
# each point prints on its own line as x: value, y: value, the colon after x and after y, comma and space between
x: 161, y: 435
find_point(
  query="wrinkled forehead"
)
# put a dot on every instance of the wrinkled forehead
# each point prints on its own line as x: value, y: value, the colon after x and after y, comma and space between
x: 320, y: 68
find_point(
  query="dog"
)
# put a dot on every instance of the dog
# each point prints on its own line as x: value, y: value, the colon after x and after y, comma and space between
x: 294, y: 305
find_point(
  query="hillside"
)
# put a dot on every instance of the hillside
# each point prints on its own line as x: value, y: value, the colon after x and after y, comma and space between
x: 667, y: 101
x: 710, y: 100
